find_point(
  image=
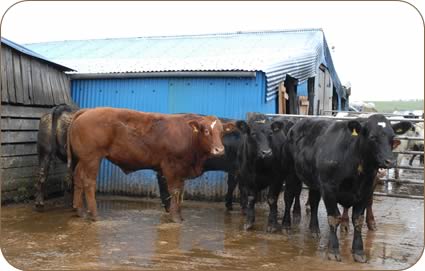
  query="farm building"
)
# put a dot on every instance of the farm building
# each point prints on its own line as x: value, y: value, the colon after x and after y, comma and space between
x: 226, y: 75
x: 30, y: 86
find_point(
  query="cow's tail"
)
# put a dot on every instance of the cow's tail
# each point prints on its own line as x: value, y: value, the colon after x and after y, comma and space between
x: 69, y: 155
x: 56, y: 114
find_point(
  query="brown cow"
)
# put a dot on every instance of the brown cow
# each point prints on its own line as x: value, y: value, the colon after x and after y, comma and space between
x: 175, y: 145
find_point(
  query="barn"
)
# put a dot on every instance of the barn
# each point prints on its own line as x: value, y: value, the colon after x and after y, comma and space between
x: 30, y: 85
x: 227, y: 75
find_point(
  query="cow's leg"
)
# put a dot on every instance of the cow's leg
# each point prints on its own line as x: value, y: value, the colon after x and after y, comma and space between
x: 334, y: 219
x: 231, y: 185
x: 292, y: 191
x: 175, y: 186
x: 314, y: 199
x: 243, y: 195
x: 296, y: 212
x: 251, y: 194
x: 411, y: 159
x: 370, y: 218
x: 78, y: 189
x: 164, y: 194
x: 345, y: 221
x: 358, y: 219
x: 288, y: 199
x: 273, y: 195
x: 307, y: 206
x: 69, y: 188
x: 40, y: 185
x: 90, y: 173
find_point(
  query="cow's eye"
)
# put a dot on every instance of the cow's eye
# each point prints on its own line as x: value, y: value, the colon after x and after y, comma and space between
x: 207, y: 132
x: 373, y: 138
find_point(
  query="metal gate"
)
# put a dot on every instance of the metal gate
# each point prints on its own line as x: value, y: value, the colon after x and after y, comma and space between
x: 387, y: 181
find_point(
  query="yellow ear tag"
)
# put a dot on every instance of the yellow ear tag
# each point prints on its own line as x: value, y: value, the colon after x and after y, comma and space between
x: 227, y: 129
x: 195, y: 130
x: 354, y: 133
x: 360, y: 168
x: 399, y: 130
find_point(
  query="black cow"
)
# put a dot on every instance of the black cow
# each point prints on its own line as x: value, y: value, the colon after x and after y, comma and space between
x: 227, y: 163
x: 338, y: 161
x: 259, y: 157
x: 51, y: 143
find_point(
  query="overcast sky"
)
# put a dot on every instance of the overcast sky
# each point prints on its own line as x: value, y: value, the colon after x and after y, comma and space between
x: 378, y: 46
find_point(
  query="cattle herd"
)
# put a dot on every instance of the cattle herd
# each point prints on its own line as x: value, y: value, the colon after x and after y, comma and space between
x: 337, y: 160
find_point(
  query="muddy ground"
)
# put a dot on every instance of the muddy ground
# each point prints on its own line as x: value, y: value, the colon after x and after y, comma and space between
x: 135, y: 233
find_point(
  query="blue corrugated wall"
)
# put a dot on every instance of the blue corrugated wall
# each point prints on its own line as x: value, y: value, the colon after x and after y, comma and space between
x: 223, y: 97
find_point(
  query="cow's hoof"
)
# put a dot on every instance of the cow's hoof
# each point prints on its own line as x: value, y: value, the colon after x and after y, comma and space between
x: 344, y: 227
x: 360, y: 258
x: 315, y: 235
x: 296, y: 219
x: 166, y: 208
x: 334, y: 256
x: 273, y: 228
x: 286, y: 225
x: 248, y: 226
x: 91, y: 216
x: 80, y: 212
x: 371, y: 226
x: 229, y: 207
x: 39, y: 206
x: 176, y: 218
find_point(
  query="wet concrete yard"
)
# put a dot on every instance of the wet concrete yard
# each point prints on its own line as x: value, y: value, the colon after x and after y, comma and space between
x: 134, y: 233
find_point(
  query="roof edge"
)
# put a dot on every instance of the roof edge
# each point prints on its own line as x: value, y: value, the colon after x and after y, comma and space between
x: 28, y: 52
x: 197, y: 35
x: 74, y: 76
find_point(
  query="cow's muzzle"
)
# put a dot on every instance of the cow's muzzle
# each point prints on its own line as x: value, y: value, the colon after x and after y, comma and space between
x: 217, y: 151
x: 388, y: 163
x: 266, y: 153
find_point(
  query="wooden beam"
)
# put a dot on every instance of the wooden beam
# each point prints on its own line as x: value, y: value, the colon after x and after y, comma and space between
x: 19, y: 124
x: 9, y: 75
x: 37, y: 88
x: 282, y: 97
x: 28, y: 172
x: 5, y: 95
x: 19, y: 161
x: 18, y: 137
x: 9, y: 150
x: 23, y: 111
x: 17, y: 75
x: 26, y: 79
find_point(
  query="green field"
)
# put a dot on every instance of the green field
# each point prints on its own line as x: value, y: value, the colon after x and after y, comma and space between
x: 391, y: 106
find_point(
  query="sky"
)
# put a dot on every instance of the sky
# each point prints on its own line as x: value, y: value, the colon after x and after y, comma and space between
x: 378, y: 47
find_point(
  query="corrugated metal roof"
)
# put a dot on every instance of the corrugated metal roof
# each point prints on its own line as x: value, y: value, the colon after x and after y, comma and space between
x: 276, y: 53
x: 28, y: 52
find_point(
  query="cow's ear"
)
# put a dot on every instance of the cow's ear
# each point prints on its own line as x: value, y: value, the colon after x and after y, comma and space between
x: 242, y: 126
x: 401, y: 127
x: 277, y: 126
x: 229, y: 127
x: 196, y: 126
x: 355, y: 127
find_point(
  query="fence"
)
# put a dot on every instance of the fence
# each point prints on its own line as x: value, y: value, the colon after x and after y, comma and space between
x: 386, y: 180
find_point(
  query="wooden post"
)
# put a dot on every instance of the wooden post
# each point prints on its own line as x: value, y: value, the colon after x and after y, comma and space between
x: 282, y: 97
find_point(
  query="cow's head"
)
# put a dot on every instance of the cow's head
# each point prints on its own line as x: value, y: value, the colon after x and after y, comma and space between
x: 417, y: 130
x: 376, y: 135
x: 258, y: 132
x: 209, y: 131
x: 278, y: 136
